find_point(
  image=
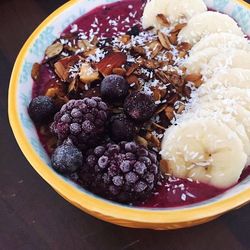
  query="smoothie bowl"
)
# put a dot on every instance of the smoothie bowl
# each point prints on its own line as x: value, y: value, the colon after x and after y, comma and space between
x: 137, y: 113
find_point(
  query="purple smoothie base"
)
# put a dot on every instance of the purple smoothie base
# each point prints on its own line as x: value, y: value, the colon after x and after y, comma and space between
x: 173, y: 192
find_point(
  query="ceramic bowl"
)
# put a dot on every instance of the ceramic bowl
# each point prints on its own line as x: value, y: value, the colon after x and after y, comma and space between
x: 26, y: 136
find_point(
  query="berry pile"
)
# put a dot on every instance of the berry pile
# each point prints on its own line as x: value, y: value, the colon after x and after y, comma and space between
x: 123, y: 172
x: 96, y: 146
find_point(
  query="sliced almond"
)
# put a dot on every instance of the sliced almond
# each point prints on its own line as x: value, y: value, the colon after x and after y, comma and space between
x: 140, y: 140
x: 54, y: 50
x: 151, y: 64
x: 178, y: 27
x: 193, y: 77
x: 164, y: 40
x: 155, y: 47
x: 84, y: 44
x: 184, y: 46
x: 169, y: 112
x: 139, y: 50
x: 133, y: 81
x: 173, y: 38
x: 35, y: 71
x: 155, y: 141
x: 198, y: 83
x: 132, y: 68
x: 180, y: 109
x: 162, y: 20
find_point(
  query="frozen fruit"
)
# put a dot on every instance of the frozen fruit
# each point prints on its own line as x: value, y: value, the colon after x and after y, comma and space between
x: 41, y: 109
x: 124, y: 172
x: 121, y: 128
x: 66, y: 158
x: 83, y: 121
x: 139, y: 106
x: 114, y: 88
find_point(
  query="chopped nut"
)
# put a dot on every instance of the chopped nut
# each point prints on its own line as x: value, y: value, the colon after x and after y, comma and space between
x: 88, y: 74
x: 159, y: 110
x: 178, y: 27
x: 62, y: 66
x: 173, y: 38
x: 198, y: 83
x: 169, y: 112
x: 94, y: 40
x: 131, y: 69
x: 35, y: 71
x: 156, y: 125
x: 155, y: 48
x: 54, y: 50
x: 173, y: 99
x: 125, y: 39
x: 90, y: 52
x: 133, y: 81
x: 151, y: 64
x: 164, y: 40
x: 111, y: 61
x: 140, y: 140
x: 161, y: 76
x: 193, y: 77
x: 73, y: 86
x: 119, y: 71
x: 139, y: 50
x: 180, y: 109
x: 84, y: 44
x: 162, y: 20
x: 155, y: 141
x: 184, y: 46
x: 157, y: 94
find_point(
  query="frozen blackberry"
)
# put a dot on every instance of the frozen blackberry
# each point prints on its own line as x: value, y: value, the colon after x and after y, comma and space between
x: 124, y: 172
x: 41, y: 109
x: 121, y: 128
x: 66, y: 158
x: 114, y: 88
x: 139, y: 106
x: 83, y: 121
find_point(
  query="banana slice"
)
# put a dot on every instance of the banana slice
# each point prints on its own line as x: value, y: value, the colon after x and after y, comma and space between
x: 235, y: 77
x: 175, y: 11
x: 205, y: 94
x: 235, y: 58
x: 204, y: 150
x: 221, y: 41
x: 197, y: 61
x: 229, y: 113
x: 207, y: 23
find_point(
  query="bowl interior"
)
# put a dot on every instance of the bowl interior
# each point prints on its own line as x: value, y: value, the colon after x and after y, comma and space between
x: 34, y: 49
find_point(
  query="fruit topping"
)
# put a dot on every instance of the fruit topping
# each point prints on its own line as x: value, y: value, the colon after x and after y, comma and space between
x: 123, y: 172
x: 83, y: 121
x: 139, y: 106
x: 122, y: 128
x: 41, y: 109
x: 114, y: 88
x: 66, y: 158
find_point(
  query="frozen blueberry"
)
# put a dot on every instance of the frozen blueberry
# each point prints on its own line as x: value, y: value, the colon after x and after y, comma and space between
x: 114, y: 88
x: 41, y: 109
x: 66, y: 159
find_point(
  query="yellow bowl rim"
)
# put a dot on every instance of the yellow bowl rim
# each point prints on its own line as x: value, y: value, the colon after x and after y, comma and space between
x: 88, y: 202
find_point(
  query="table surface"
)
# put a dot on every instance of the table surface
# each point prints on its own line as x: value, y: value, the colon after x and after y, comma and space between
x: 33, y: 216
